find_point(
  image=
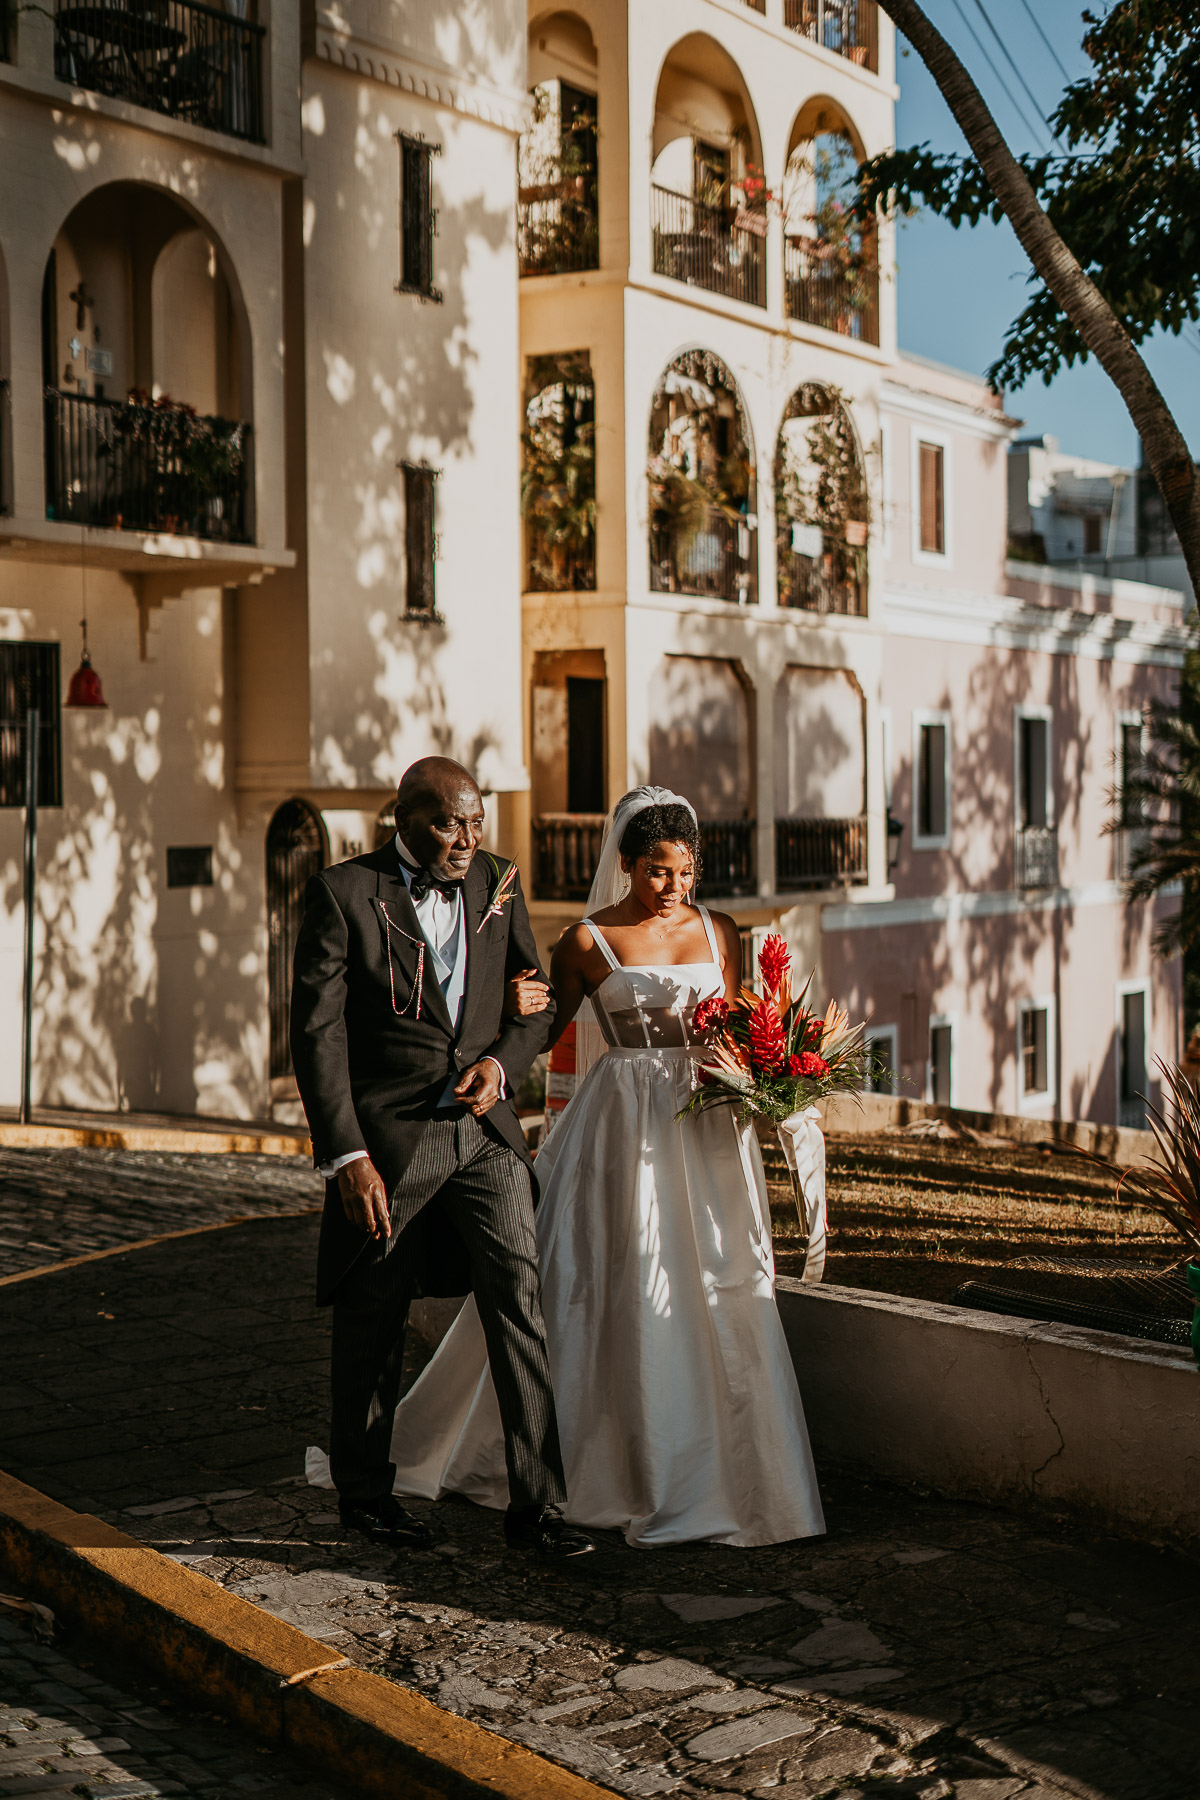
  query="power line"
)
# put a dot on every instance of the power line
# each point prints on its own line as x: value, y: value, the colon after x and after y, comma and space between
x: 1037, y: 25
x: 1012, y: 99
x: 1006, y: 53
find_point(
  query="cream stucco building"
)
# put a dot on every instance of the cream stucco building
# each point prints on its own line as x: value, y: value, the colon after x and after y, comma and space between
x: 383, y: 378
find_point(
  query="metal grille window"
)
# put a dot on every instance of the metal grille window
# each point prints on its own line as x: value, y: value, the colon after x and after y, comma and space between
x: 29, y: 679
x: 420, y: 540
x: 418, y: 218
x: 931, y: 782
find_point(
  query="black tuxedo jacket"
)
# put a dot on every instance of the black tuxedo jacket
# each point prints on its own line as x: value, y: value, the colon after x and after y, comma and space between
x: 371, y: 1073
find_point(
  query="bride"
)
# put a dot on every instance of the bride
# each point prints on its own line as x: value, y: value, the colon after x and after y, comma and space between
x: 678, y: 1406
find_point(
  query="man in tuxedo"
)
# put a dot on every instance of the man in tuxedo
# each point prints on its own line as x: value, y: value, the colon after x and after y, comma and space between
x: 407, y: 1069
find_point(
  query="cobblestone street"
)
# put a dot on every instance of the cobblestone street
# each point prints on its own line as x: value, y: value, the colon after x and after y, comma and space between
x: 924, y: 1648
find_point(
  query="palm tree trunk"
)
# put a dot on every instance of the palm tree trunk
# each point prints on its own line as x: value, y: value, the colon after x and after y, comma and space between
x: 1085, y: 306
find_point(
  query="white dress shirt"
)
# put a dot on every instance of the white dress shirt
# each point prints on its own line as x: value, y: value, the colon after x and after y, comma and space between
x: 443, y: 922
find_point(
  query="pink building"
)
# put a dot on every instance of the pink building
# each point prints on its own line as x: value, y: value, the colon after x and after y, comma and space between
x: 1006, y: 971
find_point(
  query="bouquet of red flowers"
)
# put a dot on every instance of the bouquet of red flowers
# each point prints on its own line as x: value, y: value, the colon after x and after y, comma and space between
x: 768, y: 1054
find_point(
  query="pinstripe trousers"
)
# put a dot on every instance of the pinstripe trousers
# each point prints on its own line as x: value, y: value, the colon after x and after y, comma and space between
x: 483, y: 1189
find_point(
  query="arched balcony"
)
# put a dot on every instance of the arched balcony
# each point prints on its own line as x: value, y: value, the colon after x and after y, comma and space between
x: 707, y: 199
x: 558, y: 220
x: 850, y: 28
x: 703, y: 538
x: 146, y: 354
x: 831, y: 263
x: 821, y: 506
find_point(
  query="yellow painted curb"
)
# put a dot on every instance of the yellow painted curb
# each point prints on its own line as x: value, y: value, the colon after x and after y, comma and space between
x: 168, y: 1139
x: 165, y: 1237
x: 373, y: 1736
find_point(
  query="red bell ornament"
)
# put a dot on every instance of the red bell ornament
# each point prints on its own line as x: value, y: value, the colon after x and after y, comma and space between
x: 84, y: 688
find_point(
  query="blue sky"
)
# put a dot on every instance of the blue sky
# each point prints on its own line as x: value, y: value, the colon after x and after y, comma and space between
x: 958, y: 290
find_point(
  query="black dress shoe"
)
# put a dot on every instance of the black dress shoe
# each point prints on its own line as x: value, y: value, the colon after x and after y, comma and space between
x: 545, y: 1530
x: 386, y: 1521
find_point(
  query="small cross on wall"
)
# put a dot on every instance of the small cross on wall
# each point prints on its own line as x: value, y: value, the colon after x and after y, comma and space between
x: 83, y: 300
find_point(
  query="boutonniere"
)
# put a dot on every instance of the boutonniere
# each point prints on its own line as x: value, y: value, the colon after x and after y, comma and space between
x: 501, y: 894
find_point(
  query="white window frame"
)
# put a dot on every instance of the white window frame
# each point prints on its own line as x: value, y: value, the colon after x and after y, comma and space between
x: 936, y: 1019
x: 1033, y: 712
x: 922, y: 434
x: 887, y: 503
x: 1140, y: 985
x: 926, y: 717
x: 1042, y: 1097
x: 892, y: 1033
x: 1129, y: 715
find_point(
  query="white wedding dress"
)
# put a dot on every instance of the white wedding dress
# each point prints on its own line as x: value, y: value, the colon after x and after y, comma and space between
x: 678, y: 1407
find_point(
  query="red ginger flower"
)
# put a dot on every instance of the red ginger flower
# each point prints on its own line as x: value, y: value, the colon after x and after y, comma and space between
x: 711, y: 1012
x: 774, y: 961
x: 810, y: 1064
x: 767, y: 1043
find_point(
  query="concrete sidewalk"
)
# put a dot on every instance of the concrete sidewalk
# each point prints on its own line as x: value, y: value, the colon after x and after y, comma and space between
x: 922, y: 1649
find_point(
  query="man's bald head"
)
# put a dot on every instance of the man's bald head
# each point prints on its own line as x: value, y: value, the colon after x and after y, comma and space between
x: 439, y: 815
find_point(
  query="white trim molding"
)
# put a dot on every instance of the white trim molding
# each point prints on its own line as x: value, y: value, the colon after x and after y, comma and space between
x: 948, y: 909
x: 940, y: 440
x: 950, y: 415
x: 939, y: 840
x: 1037, y: 1099
x: 1001, y: 621
x: 394, y: 67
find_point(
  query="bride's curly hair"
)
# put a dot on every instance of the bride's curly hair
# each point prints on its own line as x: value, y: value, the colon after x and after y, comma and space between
x: 673, y: 824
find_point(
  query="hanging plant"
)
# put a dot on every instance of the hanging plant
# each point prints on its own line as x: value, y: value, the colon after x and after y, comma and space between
x: 824, y: 489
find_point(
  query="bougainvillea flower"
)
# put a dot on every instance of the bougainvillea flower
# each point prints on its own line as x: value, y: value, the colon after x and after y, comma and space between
x: 774, y: 961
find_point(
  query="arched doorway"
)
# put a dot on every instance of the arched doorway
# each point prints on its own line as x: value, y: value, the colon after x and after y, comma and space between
x: 703, y: 506
x: 296, y: 849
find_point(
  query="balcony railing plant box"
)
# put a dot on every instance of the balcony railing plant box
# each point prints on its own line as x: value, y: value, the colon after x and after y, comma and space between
x: 566, y: 850
x: 558, y: 230
x: 175, y: 57
x: 727, y: 851
x: 703, y: 246
x: 146, y: 467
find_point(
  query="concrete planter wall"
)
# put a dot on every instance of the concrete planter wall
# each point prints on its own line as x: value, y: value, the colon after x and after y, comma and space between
x: 1007, y: 1411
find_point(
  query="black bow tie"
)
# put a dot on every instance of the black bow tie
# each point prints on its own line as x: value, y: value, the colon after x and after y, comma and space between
x: 425, y: 879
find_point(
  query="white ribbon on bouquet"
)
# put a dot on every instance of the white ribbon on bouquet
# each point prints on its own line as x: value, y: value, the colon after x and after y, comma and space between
x: 803, y: 1145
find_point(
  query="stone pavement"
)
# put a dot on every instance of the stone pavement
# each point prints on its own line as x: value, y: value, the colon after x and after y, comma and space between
x: 55, y: 1204
x: 923, y: 1648
x: 74, y: 1727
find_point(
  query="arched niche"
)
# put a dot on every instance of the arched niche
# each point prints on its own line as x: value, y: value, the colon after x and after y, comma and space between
x: 700, y: 736
x: 702, y: 500
x: 558, y: 158
x: 820, y: 744
x: 822, y: 507
x: 831, y: 260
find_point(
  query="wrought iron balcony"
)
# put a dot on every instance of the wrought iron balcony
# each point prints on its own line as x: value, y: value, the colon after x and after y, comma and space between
x: 558, y: 230
x: 146, y: 467
x: 829, y: 583
x: 175, y: 57
x: 730, y: 865
x: 707, y: 247
x: 1037, y: 856
x: 566, y: 849
x: 818, y: 292
x: 848, y: 27
x: 819, y: 853
x: 715, y: 562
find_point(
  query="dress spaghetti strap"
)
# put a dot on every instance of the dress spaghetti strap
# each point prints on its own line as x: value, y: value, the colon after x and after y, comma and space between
x: 599, y: 939
x: 711, y: 934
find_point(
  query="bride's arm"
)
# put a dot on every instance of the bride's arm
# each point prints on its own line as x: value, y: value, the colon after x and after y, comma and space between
x: 567, y: 978
x: 730, y: 946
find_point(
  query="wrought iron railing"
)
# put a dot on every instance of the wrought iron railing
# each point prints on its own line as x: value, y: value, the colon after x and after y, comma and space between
x: 714, y: 562
x: 848, y: 27
x: 1037, y: 856
x: 146, y: 468
x: 817, y: 853
x: 558, y: 228
x: 176, y: 57
x: 830, y: 583
x: 818, y: 292
x: 566, y: 849
x: 704, y: 246
x: 728, y: 858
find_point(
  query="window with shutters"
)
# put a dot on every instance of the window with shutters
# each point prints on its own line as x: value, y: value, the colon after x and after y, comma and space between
x: 931, y: 781
x: 418, y: 218
x: 941, y: 1084
x: 1133, y: 1029
x: 1036, y: 835
x: 932, y: 499
x: 420, y: 541
x: 1035, y: 1050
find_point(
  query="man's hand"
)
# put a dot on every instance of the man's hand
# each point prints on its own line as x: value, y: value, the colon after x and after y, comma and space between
x: 479, y: 1087
x: 364, y: 1197
x: 525, y: 995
